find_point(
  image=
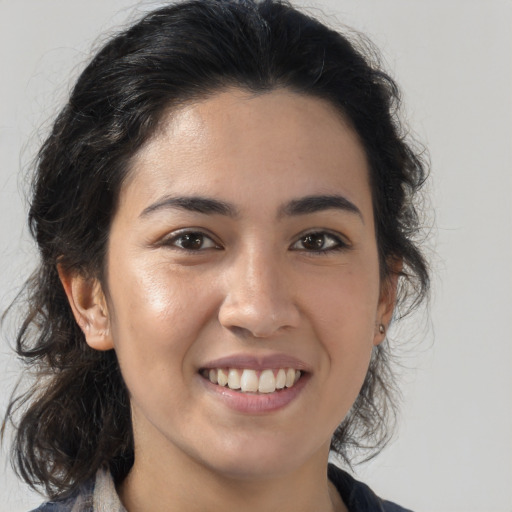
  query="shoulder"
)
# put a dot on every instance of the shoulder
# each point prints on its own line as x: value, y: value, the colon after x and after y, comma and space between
x: 97, y: 494
x: 54, y: 506
x: 80, y: 501
x: 67, y: 505
x: 358, y: 496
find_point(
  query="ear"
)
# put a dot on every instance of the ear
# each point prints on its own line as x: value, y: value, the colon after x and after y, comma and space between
x: 387, y: 301
x: 89, y: 306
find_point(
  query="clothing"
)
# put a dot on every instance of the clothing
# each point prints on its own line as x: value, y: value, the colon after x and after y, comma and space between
x: 99, y: 495
x: 358, y: 497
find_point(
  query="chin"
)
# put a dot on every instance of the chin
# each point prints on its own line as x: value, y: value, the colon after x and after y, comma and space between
x: 253, y: 470
x: 263, y: 459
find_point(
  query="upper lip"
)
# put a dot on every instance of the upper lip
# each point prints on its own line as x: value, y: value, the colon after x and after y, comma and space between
x: 260, y: 362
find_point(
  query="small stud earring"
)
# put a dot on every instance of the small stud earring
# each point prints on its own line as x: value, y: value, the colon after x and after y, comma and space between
x: 382, y: 329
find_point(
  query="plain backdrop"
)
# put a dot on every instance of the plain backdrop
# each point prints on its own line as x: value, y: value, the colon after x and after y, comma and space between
x: 453, y: 59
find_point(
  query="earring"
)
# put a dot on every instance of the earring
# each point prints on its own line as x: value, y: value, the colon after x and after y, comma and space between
x: 382, y: 328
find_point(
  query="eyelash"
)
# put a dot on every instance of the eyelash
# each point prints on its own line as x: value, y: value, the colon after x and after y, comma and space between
x: 173, y: 241
x: 337, y: 244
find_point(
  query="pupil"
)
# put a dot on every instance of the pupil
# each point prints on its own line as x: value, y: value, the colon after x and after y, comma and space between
x: 192, y: 241
x: 313, y: 242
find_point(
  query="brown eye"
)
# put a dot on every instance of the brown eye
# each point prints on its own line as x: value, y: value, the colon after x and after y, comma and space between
x: 313, y: 242
x: 193, y: 241
x: 318, y: 242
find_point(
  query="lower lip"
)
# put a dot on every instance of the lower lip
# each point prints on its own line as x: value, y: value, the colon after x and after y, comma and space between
x: 256, y: 403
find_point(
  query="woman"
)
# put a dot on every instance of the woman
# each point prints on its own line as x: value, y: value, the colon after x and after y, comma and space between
x: 225, y: 215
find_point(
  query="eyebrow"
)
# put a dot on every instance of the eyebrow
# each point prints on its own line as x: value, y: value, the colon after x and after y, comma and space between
x: 318, y: 203
x: 208, y: 206
x: 193, y: 204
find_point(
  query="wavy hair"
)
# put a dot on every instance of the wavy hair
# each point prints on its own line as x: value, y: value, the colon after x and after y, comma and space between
x: 76, y: 416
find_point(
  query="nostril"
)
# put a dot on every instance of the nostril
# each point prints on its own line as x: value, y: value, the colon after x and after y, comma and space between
x: 244, y: 333
x: 241, y: 332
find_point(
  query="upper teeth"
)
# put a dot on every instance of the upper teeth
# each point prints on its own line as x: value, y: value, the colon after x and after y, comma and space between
x: 265, y: 381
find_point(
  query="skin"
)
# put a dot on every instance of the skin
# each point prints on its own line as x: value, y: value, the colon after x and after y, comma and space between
x: 254, y: 285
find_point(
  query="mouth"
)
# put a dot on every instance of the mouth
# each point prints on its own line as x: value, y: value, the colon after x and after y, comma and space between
x: 248, y: 380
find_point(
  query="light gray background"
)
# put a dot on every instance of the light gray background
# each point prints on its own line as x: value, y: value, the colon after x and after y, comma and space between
x: 453, y: 59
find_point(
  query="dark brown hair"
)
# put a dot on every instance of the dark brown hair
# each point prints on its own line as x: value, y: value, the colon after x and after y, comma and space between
x: 76, y: 417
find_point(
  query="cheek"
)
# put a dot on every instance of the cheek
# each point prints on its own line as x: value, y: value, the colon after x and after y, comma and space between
x: 346, y: 301
x: 156, y: 318
x: 345, y: 309
x: 153, y: 297
x: 157, y: 314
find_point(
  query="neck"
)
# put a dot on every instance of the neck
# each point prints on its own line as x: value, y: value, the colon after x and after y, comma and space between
x: 168, y: 480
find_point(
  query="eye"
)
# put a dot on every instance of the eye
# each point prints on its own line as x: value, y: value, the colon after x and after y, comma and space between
x: 192, y: 241
x: 319, y: 241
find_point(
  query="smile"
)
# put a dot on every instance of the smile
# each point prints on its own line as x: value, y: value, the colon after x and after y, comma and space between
x: 253, y: 381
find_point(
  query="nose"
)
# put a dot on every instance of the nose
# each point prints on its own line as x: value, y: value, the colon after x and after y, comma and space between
x: 259, y: 299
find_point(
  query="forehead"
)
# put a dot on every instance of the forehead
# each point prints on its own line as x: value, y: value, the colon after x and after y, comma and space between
x: 235, y: 140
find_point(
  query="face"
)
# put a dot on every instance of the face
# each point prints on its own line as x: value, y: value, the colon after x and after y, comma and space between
x: 243, y: 249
